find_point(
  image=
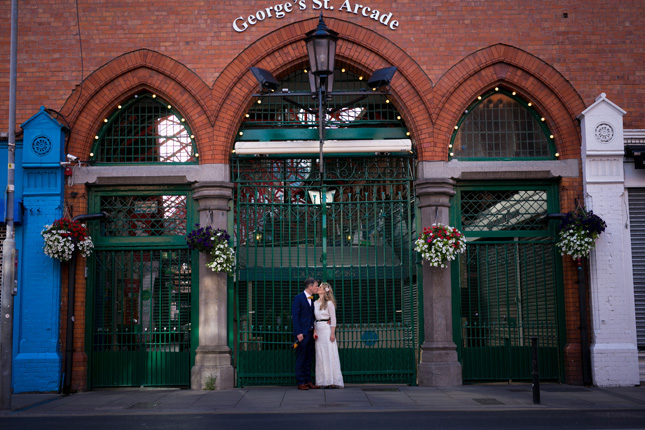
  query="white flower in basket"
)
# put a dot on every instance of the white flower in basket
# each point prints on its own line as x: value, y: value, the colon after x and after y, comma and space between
x: 214, y: 243
x: 65, y: 236
x: 578, y: 233
x: 440, y: 244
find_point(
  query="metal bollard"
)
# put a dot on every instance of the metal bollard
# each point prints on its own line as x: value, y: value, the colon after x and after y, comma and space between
x: 536, y: 371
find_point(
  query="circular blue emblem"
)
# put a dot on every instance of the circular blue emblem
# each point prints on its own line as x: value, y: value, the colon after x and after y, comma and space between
x: 369, y: 338
x: 41, y: 146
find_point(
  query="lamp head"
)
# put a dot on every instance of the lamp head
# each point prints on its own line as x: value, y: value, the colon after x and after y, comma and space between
x: 321, y: 48
x: 382, y: 77
x: 265, y: 79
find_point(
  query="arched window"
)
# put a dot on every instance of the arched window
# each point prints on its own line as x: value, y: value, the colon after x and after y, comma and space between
x: 501, y: 125
x: 143, y: 130
x: 349, y: 117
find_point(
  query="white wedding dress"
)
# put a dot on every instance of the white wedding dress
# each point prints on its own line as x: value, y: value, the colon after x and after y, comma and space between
x: 327, y: 361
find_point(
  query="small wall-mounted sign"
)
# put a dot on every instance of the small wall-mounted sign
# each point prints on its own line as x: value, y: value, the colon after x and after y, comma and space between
x: 282, y: 9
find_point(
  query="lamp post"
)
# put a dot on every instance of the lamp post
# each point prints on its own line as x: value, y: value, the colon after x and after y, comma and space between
x: 321, y: 51
x: 9, y: 244
x: 321, y: 48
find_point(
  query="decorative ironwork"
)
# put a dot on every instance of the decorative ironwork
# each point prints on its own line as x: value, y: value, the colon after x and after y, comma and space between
x: 301, y: 112
x: 144, y: 215
x: 509, y: 284
x: 141, y: 319
x: 505, y: 210
x: 146, y: 129
x: 303, y: 170
x: 359, y: 238
x: 509, y: 294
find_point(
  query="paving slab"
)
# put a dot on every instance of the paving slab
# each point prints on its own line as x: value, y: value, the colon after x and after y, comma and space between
x: 353, y: 398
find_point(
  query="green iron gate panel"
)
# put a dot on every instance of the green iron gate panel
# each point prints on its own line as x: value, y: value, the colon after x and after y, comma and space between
x: 141, y: 330
x: 359, y: 238
x: 508, y: 296
x: 508, y: 283
x: 140, y: 290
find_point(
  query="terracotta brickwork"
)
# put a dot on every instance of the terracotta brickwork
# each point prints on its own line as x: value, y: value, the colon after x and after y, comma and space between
x: 559, y: 56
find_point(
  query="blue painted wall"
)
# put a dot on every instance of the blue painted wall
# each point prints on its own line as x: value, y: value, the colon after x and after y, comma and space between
x: 37, y: 365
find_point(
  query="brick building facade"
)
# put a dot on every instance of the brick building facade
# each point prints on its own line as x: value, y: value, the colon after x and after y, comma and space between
x: 82, y: 62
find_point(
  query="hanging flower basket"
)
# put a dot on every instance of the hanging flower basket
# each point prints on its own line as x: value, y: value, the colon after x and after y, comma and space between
x: 578, y: 233
x: 440, y: 244
x: 65, y: 236
x: 213, y: 242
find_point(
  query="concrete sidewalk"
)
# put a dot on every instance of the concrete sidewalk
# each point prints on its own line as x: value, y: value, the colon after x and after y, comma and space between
x: 353, y: 398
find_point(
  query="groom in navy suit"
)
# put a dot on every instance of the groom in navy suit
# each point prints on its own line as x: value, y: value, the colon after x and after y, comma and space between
x: 302, y: 315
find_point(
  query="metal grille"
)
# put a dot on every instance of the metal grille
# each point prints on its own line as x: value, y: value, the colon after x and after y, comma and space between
x: 144, y: 215
x: 508, y: 295
x: 637, y: 230
x: 500, y: 126
x: 503, y: 210
x: 507, y: 287
x: 359, y: 238
x: 299, y: 114
x: 145, y: 130
x: 141, y: 318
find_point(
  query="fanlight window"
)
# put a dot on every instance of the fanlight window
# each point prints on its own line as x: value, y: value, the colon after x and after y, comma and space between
x: 145, y: 129
x: 295, y: 117
x: 501, y: 126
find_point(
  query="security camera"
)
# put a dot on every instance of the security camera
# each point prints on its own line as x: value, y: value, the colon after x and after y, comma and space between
x: 71, y: 157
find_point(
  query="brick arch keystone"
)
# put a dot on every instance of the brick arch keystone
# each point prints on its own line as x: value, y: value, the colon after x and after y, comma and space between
x: 282, y: 50
x: 515, y: 69
x: 127, y: 75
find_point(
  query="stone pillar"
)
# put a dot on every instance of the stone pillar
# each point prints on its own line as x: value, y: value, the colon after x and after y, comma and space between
x: 439, y: 366
x: 614, y: 354
x: 213, y: 356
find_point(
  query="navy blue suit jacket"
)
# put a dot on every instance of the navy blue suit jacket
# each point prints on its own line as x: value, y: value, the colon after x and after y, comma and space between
x: 302, y: 314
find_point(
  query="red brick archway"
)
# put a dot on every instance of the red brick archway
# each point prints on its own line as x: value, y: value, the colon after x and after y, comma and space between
x: 283, y: 50
x: 125, y: 76
x: 430, y: 111
x: 515, y: 69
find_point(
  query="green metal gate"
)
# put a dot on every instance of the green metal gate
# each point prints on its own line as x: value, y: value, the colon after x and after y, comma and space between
x: 509, y: 282
x: 140, y: 291
x: 359, y: 238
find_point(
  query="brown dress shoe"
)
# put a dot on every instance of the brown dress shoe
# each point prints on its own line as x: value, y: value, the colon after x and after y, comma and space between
x: 312, y: 386
x: 303, y: 387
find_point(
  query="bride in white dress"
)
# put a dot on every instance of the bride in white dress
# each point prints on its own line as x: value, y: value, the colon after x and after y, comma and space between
x: 328, y: 374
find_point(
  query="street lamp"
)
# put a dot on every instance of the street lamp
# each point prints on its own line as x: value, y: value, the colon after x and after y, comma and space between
x: 321, y: 50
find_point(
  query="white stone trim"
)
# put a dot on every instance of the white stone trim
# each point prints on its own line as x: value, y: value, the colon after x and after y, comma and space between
x: 456, y: 169
x: 152, y: 174
x: 614, y: 352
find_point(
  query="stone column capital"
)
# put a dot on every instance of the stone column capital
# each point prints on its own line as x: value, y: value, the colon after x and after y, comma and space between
x: 213, y: 195
x: 435, y: 192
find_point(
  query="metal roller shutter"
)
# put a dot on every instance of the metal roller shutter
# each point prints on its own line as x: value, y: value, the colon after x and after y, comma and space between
x: 637, y: 229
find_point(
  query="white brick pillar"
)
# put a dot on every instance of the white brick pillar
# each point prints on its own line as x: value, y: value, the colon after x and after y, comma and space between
x: 614, y: 354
